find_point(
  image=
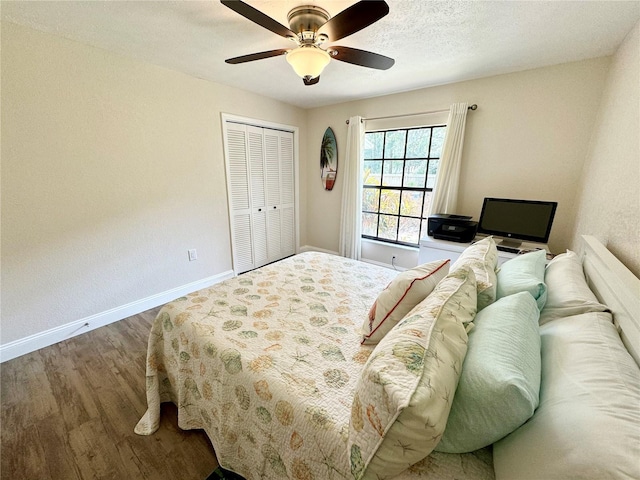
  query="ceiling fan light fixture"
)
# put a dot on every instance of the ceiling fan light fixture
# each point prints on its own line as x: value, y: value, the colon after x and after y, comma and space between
x: 308, y: 61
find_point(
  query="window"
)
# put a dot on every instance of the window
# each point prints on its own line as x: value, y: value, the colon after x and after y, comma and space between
x: 399, y: 173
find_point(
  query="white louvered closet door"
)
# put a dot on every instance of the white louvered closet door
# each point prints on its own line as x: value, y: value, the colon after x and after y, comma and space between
x: 273, y: 180
x: 287, y: 196
x: 262, y: 194
x: 280, y: 193
x: 239, y: 197
x: 258, y: 195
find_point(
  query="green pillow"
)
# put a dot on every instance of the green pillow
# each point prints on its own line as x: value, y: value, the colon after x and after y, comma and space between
x: 500, y: 382
x: 525, y: 273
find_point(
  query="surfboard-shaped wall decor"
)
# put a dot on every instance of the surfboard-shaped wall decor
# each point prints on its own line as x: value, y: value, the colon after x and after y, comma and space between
x: 328, y: 159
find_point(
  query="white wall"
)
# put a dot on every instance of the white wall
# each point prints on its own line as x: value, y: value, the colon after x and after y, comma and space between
x: 111, y: 170
x: 528, y: 139
x: 609, y: 193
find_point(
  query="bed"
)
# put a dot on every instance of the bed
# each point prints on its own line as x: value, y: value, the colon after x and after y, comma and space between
x: 281, y: 369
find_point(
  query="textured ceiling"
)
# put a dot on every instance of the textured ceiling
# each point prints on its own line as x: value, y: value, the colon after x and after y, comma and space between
x: 433, y: 42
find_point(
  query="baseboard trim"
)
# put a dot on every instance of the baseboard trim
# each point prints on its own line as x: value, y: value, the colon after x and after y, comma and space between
x: 311, y: 248
x: 46, y: 338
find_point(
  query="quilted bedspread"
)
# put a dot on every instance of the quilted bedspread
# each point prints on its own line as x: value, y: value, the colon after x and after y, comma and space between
x: 267, y: 363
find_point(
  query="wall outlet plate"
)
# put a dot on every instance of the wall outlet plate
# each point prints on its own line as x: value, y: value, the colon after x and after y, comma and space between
x: 193, y: 255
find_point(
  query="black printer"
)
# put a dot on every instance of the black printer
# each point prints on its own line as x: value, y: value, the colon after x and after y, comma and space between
x: 455, y: 228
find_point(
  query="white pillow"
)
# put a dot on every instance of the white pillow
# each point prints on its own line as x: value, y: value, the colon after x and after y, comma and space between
x: 404, y: 292
x: 588, y: 421
x: 567, y: 290
x: 482, y: 258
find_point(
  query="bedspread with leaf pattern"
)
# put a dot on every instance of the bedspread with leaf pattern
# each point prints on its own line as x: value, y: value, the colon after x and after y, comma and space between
x: 267, y: 363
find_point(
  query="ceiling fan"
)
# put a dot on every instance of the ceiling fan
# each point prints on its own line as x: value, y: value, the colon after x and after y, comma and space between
x: 311, y: 26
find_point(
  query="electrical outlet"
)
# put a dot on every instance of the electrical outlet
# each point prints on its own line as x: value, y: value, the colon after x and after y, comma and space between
x: 193, y: 255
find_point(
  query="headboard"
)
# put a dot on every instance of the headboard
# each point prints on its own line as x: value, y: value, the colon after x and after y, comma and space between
x: 616, y: 287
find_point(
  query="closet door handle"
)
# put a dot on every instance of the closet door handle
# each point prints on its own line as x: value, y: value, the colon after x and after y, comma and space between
x: 274, y: 207
x: 259, y: 209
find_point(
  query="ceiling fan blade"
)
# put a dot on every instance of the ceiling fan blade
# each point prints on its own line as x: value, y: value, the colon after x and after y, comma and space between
x: 354, y: 19
x: 311, y: 81
x: 256, y: 16
x: 257, y: 56
x: 361, y: 57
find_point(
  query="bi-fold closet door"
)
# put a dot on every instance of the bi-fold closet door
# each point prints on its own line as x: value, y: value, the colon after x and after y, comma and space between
x: 260, y: 167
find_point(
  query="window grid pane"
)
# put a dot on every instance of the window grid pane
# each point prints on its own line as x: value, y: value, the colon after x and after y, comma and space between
x: 390, y: 201
x: 369, y: 224
x: 388, y: 227
x: 399, y: 173
x: 392, y: 173
x: 415, y: 172
x: 395, y: 143
x: 409, y: 230
x: 411, y: 204
x: 372, y: 174
x: 373, y: 145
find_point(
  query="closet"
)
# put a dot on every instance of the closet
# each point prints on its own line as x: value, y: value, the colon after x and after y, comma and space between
x: 261, y: 192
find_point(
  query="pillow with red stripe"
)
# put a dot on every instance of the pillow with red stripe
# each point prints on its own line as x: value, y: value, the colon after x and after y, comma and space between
x: 404, y: 292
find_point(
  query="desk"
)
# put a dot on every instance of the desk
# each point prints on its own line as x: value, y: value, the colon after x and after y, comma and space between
x: 432, y: 249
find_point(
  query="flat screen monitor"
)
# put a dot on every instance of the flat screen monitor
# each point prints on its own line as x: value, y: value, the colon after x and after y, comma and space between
x: 517, y: 219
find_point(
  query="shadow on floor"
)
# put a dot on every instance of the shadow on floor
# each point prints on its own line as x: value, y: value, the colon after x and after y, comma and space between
x: 222, y: 474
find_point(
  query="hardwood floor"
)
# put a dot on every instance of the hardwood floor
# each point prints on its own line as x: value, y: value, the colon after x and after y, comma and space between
x: 68, y: 413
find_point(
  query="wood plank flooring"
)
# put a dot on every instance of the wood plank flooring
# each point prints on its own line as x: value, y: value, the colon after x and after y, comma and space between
x: 68, y: 413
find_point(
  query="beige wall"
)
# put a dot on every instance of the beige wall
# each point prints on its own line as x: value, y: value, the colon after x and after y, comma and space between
x: 528, y: 139
x: 111, y: 170
x: 609, y: 194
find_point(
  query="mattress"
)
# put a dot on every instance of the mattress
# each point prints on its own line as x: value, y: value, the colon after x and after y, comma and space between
x: 267, y: 364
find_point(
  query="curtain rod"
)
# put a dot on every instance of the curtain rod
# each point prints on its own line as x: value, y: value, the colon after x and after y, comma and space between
x: 471, y: 107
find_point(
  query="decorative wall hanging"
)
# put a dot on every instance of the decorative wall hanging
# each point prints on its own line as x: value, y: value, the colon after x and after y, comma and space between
x: 328, y: 159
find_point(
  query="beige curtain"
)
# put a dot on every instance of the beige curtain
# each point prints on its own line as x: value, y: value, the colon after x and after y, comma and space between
x: 351, y: 212
x: 445, y: 191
